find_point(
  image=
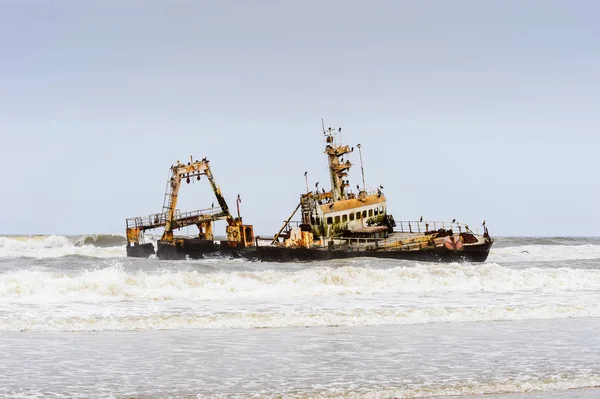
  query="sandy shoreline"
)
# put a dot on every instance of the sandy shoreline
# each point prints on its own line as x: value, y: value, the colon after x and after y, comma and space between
x: 583, y: 393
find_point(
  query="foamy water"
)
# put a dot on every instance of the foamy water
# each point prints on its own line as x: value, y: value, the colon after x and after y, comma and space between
x: 56, y: 246
x: 115, y: 282
x: 544, y: 253
x: 523, y: 321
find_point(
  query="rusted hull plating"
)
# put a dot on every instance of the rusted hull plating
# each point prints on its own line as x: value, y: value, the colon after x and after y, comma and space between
x: 198, y: 249
x: 140, y: 250
x: 191, y: 248
x: 184, y: 248
x: 470, y: 253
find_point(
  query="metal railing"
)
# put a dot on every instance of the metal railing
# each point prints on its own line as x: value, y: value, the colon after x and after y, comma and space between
x: 142, y: 221
x: 214, y: 211
x: 418, y: 226
x: 160, y: 219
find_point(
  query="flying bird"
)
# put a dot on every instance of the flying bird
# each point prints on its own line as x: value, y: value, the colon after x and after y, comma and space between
x: 453, y: 220
x: 381, y: 187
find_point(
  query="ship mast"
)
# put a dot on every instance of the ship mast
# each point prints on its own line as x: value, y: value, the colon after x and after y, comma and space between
x: 338, y: 169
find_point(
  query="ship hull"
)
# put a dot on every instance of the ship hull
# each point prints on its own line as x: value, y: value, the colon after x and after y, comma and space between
x: 470, y: 253
x: 180, y: 249
x: 140, y: 250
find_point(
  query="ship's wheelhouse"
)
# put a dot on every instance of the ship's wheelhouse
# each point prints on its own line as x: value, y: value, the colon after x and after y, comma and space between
x: 346, y: 216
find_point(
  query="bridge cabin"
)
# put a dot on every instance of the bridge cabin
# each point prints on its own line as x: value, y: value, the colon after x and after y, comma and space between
x: 341, y: 212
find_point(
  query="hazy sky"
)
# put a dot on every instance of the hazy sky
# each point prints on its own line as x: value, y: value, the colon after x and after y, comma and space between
x: 465, y: 109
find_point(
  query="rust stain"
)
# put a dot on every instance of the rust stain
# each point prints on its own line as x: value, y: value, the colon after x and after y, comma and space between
x: 353, y: 203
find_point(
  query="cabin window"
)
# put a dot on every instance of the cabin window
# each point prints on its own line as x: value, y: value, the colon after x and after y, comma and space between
x: 318, y: 220
x: 364, y: 214
x: 330, y: 220
x: 370, y: 212
x: 337, y: 219
x: 312, y: 220
x: 352, y: 216
x: 344, y: 218
x: 376, y: 211
x: 357, y: 215
x: 381, y: 209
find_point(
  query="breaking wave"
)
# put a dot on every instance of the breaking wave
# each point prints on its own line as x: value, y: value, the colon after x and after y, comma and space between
x: 296, y: 318
x: 101, y: 246
x: 101, y: 240
x: 119, y: 298
x: 117, y: 283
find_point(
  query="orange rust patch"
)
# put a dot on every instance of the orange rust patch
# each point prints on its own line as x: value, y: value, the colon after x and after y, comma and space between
x: 353, y: 203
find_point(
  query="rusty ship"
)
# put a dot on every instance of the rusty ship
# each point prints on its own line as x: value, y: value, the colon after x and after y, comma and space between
x: 239, y: 236
x: 340, y: 223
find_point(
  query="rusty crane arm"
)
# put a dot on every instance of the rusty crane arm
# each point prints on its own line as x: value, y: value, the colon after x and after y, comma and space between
x: 285, y: 224
x: 171, y: 219
x: 190, y: 171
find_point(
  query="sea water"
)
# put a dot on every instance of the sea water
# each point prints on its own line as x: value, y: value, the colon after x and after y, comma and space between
x: 79, y: 319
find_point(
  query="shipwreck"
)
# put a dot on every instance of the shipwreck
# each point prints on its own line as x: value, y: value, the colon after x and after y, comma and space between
x: 239, y: 236
x: 340, y: 223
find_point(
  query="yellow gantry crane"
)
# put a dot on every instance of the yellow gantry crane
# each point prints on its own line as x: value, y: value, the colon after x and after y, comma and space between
x: 170, y: 246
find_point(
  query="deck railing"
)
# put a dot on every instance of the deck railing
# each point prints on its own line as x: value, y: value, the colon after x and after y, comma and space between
x: 403, y: 226
x: 160, y: 219
x: 417, y: 226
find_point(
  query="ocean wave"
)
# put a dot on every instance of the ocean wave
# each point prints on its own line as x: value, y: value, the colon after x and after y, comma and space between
x: 294, y: 318
x: 98, y: 246
x: 118, y: 283
x: 544, y: 253
x: 101, y: 240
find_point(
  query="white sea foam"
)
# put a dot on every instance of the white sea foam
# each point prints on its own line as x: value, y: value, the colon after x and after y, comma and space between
x: 544, y: 253
x: 117, y: 283
x: 292, y: 318
x: 52, y: 247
